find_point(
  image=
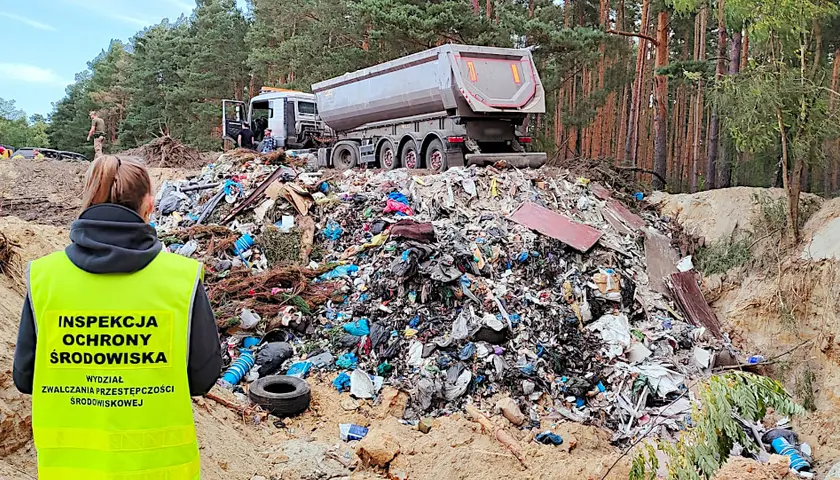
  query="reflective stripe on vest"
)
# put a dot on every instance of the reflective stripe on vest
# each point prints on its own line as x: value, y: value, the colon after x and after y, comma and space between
x: 111, y: 398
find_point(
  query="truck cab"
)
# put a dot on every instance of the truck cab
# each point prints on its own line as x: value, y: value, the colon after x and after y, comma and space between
x: 292, y: 117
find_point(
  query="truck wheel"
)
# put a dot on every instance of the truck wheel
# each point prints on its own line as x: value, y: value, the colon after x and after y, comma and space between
x: 436, y: 156
x: 344, y: 156
x: 409, y: 157
x: 387, y: 157
x: 281, y: 395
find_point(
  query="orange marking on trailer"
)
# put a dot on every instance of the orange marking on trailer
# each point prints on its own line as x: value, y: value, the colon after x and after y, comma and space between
x: 515, y: 71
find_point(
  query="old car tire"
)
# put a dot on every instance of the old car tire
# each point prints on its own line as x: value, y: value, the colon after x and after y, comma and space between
x: 281, y: 395
x: 409, y: 157
x: 345, y: 156
x: 388, y: 156
x: 436, y: 156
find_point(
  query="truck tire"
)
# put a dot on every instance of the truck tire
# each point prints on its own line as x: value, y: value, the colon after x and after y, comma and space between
x: 409, y: 157
x: 281, y: 395
x: 388, y: 156
x: 345, y: 156
x: 436, y: 156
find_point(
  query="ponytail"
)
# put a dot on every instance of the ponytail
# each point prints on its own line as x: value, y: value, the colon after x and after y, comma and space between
x: 119, y: 180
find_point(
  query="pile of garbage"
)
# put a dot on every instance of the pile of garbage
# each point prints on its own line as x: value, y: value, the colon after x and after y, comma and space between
x: 530, y: 291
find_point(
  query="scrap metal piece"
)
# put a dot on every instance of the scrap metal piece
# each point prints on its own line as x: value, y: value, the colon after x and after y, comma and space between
x: 660, y: 259
x: 254, y: 195
x: 692, y: 302
x: 579, y: 236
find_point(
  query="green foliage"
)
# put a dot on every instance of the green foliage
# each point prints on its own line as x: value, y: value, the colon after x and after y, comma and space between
x: 704, y: 447
x: 723, y: 256
x: 18, y: 131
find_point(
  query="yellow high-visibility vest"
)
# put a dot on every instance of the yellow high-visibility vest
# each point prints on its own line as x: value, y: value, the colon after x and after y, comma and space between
x: 111, y: 398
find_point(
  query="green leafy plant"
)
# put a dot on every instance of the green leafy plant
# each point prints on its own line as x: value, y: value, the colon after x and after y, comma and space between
x: 720, y: 257
x: 705, y: 446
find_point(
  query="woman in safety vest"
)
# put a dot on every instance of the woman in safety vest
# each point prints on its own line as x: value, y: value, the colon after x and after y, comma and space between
x: 115, y: 336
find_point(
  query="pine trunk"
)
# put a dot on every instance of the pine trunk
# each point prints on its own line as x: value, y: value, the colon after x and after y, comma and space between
x: 632, y: 145
x: 698, y: 100
x: 714, y: 124
x: 660, y: 120
x: 834, y: 152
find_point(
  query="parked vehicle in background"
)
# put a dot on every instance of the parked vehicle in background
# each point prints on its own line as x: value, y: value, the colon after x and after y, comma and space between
x: 448, y: 106
x: 31, y: 153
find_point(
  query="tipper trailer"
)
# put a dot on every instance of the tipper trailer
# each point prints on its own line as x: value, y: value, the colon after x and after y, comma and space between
x: 453, y: 105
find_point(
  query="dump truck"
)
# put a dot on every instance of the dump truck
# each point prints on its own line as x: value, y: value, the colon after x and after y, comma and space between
x: 453, y: 105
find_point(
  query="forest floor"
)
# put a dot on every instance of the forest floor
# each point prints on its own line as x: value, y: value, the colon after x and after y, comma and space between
x: 235, y: 446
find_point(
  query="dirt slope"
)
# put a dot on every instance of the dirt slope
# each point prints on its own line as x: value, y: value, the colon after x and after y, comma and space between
x: 772, y: 310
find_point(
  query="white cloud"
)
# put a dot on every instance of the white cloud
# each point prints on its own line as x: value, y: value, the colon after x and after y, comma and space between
x: 22, y: 72
x: 28, y: 21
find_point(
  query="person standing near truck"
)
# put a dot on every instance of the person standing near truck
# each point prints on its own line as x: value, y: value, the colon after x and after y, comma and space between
x: 97, y: 131
x: 245, y: 139
x: 115, y: 336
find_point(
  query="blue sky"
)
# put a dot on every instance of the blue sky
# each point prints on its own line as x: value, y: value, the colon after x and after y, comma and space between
x: 46, y: 42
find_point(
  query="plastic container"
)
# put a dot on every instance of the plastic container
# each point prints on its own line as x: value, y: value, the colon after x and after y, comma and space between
x: 797, y: 463
x: 245, y: 242
x: 239, y: 368
x: 350, y: 432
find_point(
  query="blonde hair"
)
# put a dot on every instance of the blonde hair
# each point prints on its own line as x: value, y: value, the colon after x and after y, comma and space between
x: 120, y: 180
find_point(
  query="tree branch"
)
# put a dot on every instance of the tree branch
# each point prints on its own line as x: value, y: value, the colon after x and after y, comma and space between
x: 637, y: 35
x: 643, y: 170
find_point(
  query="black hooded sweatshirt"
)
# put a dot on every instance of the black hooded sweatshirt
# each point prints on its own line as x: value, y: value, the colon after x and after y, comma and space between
x: 110, y: 238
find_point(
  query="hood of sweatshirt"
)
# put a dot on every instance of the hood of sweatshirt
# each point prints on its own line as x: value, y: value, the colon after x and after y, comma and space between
x: 109, y: 238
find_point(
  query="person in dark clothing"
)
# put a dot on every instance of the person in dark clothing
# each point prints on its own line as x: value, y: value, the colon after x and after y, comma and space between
x: 245, y: 139
x: 112, y: 236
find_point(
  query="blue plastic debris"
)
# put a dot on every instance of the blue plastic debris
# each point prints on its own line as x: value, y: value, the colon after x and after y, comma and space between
x: 467, y: 352
x: 359, y: 328
x: 348, y: 361
x: 249, y: 342
x: 342, y: 382
x: 332, y: 230
x: 414, y: 321
x: 601, y: 387
x: 580, y: 402
x: 339, y: 271
x: 299, y: 369
x: 549, y: 438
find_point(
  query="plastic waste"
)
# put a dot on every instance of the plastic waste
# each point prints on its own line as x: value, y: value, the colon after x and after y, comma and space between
x: 415, y: 354
x: 339, y: 271
x: 188, y: 248
x: 248, y: 319
x: 359, y: 328
x: 783, y: 447
x: 363, y: 385
x: 350, y: 432
x: 549, y: 438
x: 685, y: 264
x: 239, y: 368
x: 286, y: 224
x: 245, y: 242
x: 347, y: 361
x: 342, y: 382
x: 322, y: 360
x: 299, y: 369
x: 332, y: 230
x: 271, y: 356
